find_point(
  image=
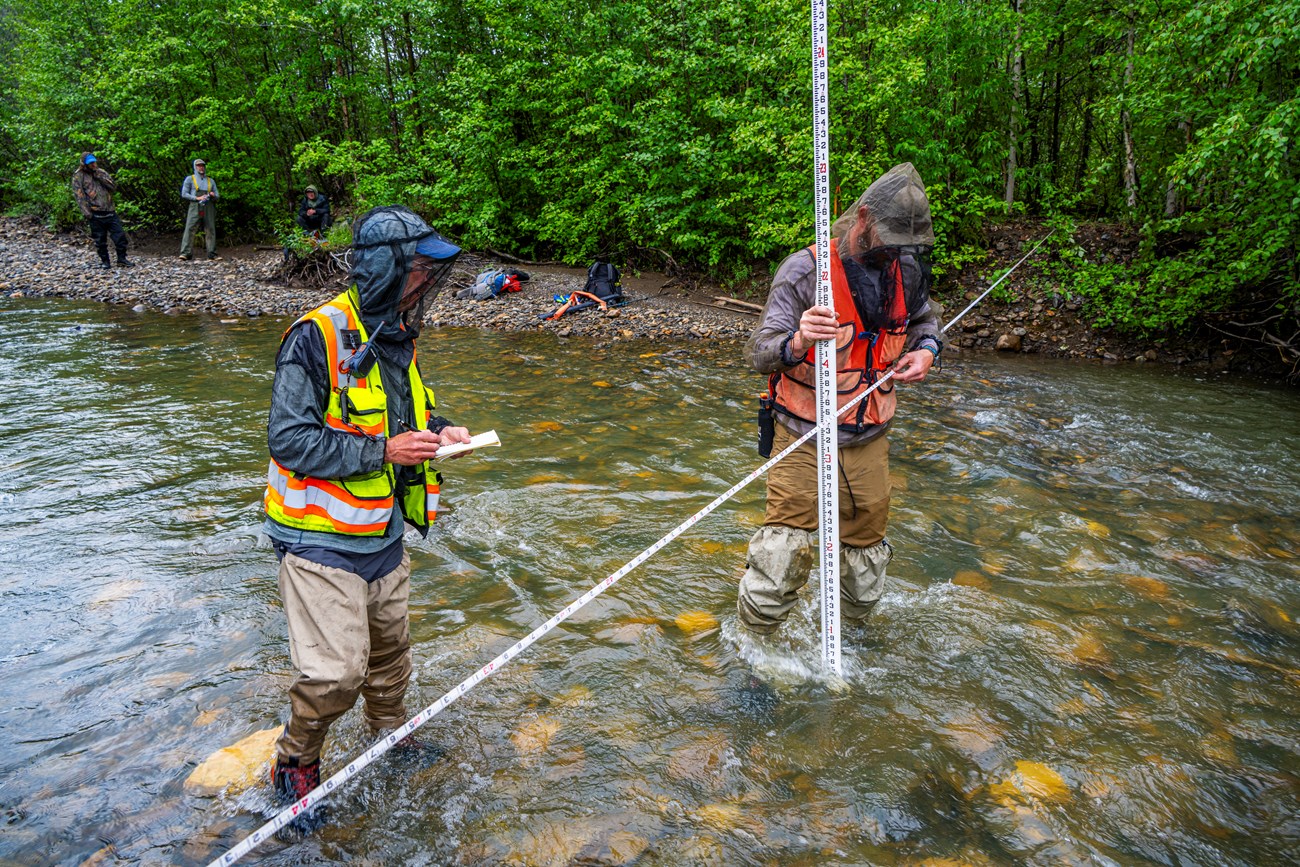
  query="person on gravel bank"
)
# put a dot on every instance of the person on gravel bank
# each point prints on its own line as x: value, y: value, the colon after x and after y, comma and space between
x: 93, y: 189
x: 882, y: 319
x: 351, y: 434
x: 201, y: 192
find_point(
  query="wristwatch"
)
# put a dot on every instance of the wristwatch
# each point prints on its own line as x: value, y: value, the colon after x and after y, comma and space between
x: 785, y: 351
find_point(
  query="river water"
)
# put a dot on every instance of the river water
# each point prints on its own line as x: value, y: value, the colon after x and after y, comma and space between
x: 1086, y: 654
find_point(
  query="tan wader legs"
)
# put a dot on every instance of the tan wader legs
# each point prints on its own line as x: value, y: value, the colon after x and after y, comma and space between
x: 209, y: 218
x: 862, y: 579
x: 784, y: 550
x: 346, y: 638
x: 780, y: 562
x: 780, y: 559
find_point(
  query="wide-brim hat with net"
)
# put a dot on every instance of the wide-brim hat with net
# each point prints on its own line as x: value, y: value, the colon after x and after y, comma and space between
x: 898, y: 208
x: 385, y: 242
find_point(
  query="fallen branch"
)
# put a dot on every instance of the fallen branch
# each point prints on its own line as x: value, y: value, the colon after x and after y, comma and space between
x: 747, y: 305
x: 506, y: 257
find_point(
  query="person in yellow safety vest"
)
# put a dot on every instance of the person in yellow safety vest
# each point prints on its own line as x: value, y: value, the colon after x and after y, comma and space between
x: 201, y: 192
x: 351, y: 432
x: 882, y: 318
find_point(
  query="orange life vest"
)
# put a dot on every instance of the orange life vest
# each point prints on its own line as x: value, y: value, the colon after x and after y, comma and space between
x: 861, y: 356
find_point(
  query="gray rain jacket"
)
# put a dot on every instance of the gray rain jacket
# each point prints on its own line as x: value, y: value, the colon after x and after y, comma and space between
x: 296, y: 432
x: 902, y: 218
x: 206, y: 185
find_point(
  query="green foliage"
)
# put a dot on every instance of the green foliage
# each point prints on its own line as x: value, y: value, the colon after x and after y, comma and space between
x: 306, y: 244
x: 371, y: 170
x: 959, y: 218
x: 680, y: 133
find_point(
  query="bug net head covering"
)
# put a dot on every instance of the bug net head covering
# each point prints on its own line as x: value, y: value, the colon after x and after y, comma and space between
x: 386, y: 242
x: 896, y: 207
x: 885, y: 240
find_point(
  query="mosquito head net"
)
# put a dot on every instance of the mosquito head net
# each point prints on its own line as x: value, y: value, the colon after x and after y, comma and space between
x: 894, y: 206
x: 386, y: 242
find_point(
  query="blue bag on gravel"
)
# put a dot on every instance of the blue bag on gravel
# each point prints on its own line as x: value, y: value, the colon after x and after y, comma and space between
x: 490, y: 284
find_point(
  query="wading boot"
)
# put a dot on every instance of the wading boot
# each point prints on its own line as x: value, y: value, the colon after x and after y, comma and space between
x: 756, y: 699
x: 414, y: 752
x: 292, y: 782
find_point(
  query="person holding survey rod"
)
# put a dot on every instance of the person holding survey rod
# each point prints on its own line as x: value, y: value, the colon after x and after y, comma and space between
x: 351, y: 433
x: 882, y: 321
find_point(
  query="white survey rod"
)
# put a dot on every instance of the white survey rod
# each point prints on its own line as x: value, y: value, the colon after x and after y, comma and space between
x: 828, y: 464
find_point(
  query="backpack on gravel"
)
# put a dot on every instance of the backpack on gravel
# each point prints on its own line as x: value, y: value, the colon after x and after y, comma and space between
x: 602, y: 281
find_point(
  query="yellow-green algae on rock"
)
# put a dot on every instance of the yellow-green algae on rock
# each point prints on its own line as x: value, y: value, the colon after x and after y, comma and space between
x: 235, y: 767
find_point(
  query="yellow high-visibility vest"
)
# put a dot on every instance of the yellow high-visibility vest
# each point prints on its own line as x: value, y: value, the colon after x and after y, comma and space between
x: 359, y: 505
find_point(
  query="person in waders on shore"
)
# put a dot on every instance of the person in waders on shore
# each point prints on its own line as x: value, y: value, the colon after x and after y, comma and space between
x: 883, y: 319
x: 201, y: 192
x: 351, y: 432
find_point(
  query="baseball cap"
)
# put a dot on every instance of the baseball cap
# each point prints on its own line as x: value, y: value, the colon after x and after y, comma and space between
x: 435, y: 246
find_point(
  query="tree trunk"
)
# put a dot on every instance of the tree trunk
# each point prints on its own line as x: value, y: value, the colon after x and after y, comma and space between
x: 410, y: 70
x: 1054, y: 154
x: 1033, y: 116
x: 343, y: 100
x: 392, y: 94
x: 1085, y: 135
x: 1126, y: 117
x: 1015, y: 103
x: 1173, y: 201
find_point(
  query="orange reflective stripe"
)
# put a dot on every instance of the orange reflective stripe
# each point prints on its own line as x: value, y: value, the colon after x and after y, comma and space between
x: 352, y: 427
x: 320, y: 512
x: 431, y: 501
x: 299, y: 498
x: 336, y: 491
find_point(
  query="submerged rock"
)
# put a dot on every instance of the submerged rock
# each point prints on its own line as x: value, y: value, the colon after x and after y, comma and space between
x: 1031, y: 781
x: 535, y: 735
x: 971, y: 578
x: 694, y: 622
x: 235, y: 767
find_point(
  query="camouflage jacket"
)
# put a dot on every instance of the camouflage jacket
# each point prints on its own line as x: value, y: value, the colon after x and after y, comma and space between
x: 93, y: 191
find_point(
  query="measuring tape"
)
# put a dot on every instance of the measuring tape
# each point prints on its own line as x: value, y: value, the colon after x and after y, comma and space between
x: 828, y: 464
x: 386, y: 743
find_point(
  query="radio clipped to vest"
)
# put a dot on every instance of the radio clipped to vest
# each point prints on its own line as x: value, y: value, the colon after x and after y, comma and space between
x: 766, y: 425
x: 364, y: 355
